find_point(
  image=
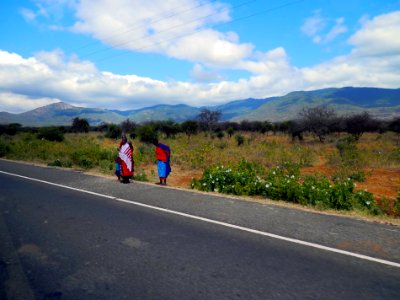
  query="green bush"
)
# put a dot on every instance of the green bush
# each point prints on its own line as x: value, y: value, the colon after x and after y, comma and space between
x: 85, y: 162
x: 114, y: 131
x: 239, y: 139
x: 106, y: 166
x: 140, y: 177
x: 147, y: 134
x: 241, y: 179
x: 285, y: 183
x: 60, y: 163
x: 364, y: 200
x: 52, y: 134
x: 348, y: 150
x: 396, y: 205
x: 4, y: 149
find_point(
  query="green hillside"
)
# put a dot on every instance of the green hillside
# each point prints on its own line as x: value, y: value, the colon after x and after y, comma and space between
x: 381, y: 103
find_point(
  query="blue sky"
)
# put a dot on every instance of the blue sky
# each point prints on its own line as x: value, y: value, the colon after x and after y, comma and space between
x: 128, y: 54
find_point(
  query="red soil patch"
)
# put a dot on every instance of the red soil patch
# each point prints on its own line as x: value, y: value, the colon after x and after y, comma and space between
x: 183, y: 178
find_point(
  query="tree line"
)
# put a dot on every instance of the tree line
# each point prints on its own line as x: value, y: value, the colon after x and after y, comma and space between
x: 319, y: 121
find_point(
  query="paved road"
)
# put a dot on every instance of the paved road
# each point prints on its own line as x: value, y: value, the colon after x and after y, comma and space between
x: 60, y: 243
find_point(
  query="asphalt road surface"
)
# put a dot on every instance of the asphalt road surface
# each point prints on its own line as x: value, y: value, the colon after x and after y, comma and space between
x: 69, y: 235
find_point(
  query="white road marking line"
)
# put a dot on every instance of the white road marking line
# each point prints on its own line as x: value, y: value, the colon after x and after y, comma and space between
x: 263, y: 233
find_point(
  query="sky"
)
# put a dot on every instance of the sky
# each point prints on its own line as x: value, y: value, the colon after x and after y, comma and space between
x: 130, y: 54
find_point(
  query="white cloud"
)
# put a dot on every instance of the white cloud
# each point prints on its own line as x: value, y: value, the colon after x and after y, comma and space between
x: 28, y: 14
x: 48, y: 10
x: 211, y: 48
x: 175, y: 28
x: 15, y: 103
x: 379, y: 36
x: 338, y: 29
x: 200, y: 74
x: 315, y: 27
x: 314, y: 24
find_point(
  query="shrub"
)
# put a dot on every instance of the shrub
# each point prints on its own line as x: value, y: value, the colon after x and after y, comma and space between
x: 284, y: 183
x: 316, y: 191
x: 4, y: 149
x: 341, y: 195
x: 358, y: 176
x: 147, y: 134
x: 81, y: 159
x: 60, y: 163
x: 51, y: 134
x: 364, y: 200
x: 80, y: 125
x: 348, y: 150
x: 396, y: 205
x: 239, y: 139
x: 230, y: 131
x: 140, y: 177
x: 241, y: 179
x: 220, y: 134
x: 114, y: 131
x: 85, y: 162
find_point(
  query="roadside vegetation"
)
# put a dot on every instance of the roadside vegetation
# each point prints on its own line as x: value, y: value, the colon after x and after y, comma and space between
x: 320, y: 160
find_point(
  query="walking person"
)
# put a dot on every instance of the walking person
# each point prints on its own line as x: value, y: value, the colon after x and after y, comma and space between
x: 163, y: 155
x: 125, y: 155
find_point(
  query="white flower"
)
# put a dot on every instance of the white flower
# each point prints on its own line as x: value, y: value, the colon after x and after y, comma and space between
x: 215, y: 190
x: 267, y: 185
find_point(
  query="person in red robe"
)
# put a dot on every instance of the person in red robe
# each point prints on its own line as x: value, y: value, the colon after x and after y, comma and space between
x: 163, y: 154
x: 125, y: 155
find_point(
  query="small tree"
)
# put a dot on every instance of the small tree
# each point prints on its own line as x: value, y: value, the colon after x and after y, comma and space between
x: 114, y: 131
x: 189, y: 127
x: 318, y: 120
x: 53, y: 134
x: 296, y: 129
x: 239, y: 139
x: 169, y: 128
x: 147, y: 134
x: 10, y: 129
x: 208, y: 119
x: 128, y: 126
x: 80, y: 125
x: 230, y: 131
x: 266, y: 126
x: 357, y: 124
x: 394, y: 126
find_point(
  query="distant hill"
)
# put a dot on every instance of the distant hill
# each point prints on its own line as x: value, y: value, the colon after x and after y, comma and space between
x: 178, y: 113
x: 381, y: 103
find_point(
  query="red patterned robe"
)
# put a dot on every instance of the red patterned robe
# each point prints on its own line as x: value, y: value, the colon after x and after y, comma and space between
x: 126, y: 157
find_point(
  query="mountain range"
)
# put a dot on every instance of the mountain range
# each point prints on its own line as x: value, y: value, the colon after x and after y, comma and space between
x: 380, y: 103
